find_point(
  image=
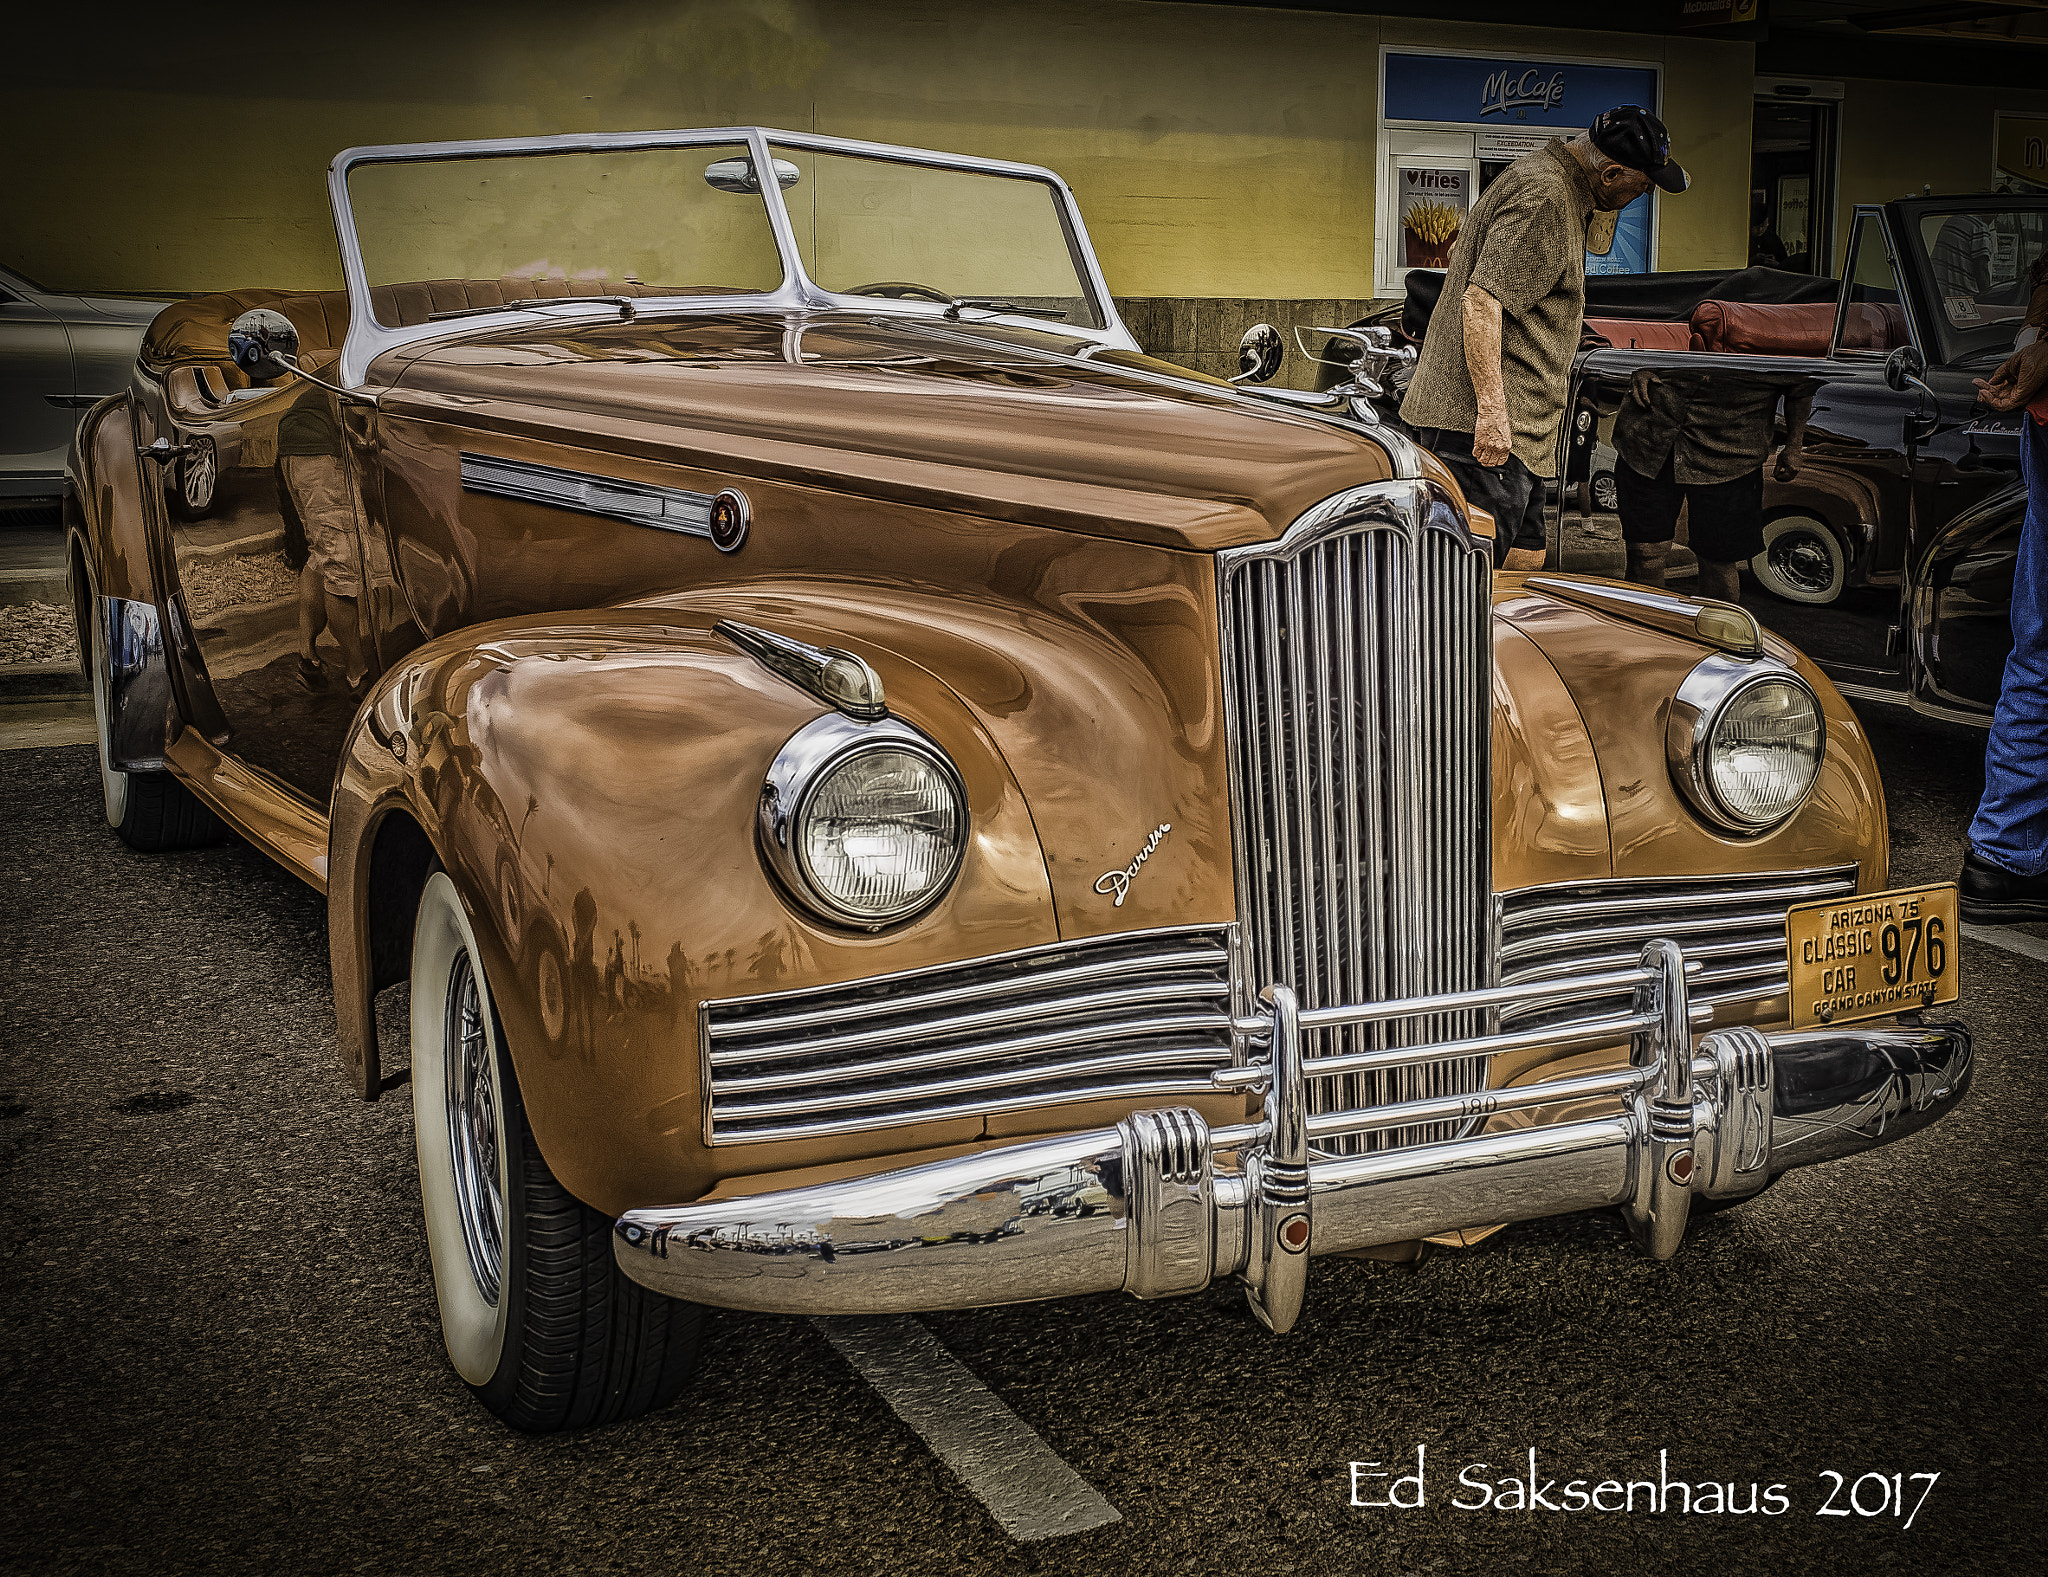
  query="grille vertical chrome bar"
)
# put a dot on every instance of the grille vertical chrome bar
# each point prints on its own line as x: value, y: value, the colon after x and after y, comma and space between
x: 1358, y: 671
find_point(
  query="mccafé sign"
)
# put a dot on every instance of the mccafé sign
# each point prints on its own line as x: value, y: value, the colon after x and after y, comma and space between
x: 1496, y: 90
x: 1504, y: 91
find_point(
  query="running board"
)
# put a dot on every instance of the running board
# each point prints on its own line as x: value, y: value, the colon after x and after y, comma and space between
x: 256, y: 805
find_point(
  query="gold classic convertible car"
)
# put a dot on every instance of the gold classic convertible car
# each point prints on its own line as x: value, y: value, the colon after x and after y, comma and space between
x: 886, y: 798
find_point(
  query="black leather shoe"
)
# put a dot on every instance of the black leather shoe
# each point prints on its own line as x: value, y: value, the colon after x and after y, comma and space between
x: 1994, y: 896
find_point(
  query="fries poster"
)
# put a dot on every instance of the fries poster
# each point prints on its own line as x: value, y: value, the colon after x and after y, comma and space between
x: 1433, y: 204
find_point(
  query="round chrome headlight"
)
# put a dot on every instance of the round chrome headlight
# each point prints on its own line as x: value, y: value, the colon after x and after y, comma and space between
x: 1745, y: 742
x: 865, y: 822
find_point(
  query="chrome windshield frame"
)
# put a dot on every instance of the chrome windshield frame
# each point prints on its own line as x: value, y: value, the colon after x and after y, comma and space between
x: 368, y: 339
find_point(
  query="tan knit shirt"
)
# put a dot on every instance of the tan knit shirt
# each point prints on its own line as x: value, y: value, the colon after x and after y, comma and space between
x: 1524, y: 244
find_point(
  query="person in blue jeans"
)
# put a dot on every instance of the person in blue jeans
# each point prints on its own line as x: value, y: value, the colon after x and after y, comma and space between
x: 2005, y: 872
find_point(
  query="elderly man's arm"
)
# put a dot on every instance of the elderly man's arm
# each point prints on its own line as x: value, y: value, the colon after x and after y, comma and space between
x: 1491, y: 438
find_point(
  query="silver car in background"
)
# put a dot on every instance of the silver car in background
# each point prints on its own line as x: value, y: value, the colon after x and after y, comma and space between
x: 59, y: 354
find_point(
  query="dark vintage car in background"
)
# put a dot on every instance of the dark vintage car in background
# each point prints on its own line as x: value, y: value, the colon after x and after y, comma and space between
x: 886, y: 797
x: 1892, y: 503
x: 1892, y: 500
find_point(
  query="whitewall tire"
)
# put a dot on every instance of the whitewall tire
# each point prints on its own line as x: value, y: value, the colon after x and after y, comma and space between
x: 458, y: 1106
x: 537, y: 1317
x: 150, y: 811
x: 1802, y: 560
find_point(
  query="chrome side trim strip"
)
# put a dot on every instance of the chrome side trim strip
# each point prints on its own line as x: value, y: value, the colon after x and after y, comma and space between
x: 636, y: 503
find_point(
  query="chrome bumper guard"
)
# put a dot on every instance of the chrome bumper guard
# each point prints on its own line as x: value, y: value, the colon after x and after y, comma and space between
x: 981, y: 1229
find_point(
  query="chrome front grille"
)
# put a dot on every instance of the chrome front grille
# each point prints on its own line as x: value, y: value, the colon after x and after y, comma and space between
x: 1733, y: 927
x: 1143, y: 1016
x: 1358, y: 673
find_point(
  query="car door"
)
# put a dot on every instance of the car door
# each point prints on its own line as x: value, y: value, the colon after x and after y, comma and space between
x: 272, y: 579
x: 37, y: 414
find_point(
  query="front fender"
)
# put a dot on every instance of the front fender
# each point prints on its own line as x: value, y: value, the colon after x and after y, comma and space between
x: 590, y: 783
x: 109, y: 526
x: 1622, y: 676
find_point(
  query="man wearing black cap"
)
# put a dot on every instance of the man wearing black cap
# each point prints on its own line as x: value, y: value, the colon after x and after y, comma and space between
x: 1488, y: 392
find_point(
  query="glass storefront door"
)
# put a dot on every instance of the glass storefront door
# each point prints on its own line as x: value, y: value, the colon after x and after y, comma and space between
x: 1791, y: 185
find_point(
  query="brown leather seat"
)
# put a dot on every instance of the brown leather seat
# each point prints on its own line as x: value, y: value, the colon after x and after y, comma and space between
x: 1795, y: 329
x: 1628, y: 334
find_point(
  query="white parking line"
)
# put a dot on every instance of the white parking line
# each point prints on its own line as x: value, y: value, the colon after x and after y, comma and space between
x: 2012, y: 941
x: 1027, y: 1489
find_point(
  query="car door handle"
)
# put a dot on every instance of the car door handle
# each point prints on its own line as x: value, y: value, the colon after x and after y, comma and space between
x: 162, y: 451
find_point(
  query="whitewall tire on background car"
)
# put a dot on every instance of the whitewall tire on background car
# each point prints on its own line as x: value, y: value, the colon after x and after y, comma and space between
x: 536, y: 1315
x: 1802, y: 560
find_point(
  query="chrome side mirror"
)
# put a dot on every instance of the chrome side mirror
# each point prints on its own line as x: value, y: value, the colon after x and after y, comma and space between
x: 1259, y: 353
x: 263, y: 343
x: 737, y: 175
x: 1904, y: 368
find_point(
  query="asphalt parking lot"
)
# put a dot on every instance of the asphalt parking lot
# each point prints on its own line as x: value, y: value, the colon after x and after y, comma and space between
x: 221, y: 1354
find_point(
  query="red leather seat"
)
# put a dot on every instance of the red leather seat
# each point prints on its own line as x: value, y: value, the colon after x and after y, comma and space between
x: 1628, y: 334
x: 1794, y: 329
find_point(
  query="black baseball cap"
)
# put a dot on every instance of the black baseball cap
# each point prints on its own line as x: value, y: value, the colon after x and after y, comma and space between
x: 1629, y: 134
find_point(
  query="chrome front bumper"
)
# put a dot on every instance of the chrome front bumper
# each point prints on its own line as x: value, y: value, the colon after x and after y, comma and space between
x: 984, y: 1229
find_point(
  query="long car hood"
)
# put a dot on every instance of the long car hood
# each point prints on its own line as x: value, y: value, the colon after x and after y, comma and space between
x: 1010, y: 425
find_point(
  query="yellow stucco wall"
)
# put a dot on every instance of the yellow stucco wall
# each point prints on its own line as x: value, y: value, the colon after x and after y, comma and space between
x: 1216, y: 151
x: 1944, y: 142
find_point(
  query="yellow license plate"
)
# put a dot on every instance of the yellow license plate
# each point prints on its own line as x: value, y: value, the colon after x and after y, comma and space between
x: 1876, y: 953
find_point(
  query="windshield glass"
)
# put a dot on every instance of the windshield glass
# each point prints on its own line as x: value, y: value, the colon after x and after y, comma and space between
x: 914, y: 232
x: 1980, y: 262
x: 443, y: 235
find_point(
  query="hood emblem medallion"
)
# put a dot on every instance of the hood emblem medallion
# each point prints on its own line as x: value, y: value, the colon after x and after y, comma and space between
x: 1119, y: 882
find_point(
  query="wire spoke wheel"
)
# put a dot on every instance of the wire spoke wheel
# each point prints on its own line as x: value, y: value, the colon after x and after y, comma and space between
x: 537, y: 1317
x: 473, y: 1151
x: 198, y: 476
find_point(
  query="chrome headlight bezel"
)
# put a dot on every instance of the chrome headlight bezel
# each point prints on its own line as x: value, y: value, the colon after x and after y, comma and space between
x: 805, y: 763
x: 1697, y: 708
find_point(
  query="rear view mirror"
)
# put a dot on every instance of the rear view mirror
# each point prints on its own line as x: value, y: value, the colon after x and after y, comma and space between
x: 737, y: 175
x: 1904, y: 368
x: 1259, y: 353
x: 263, y: 344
